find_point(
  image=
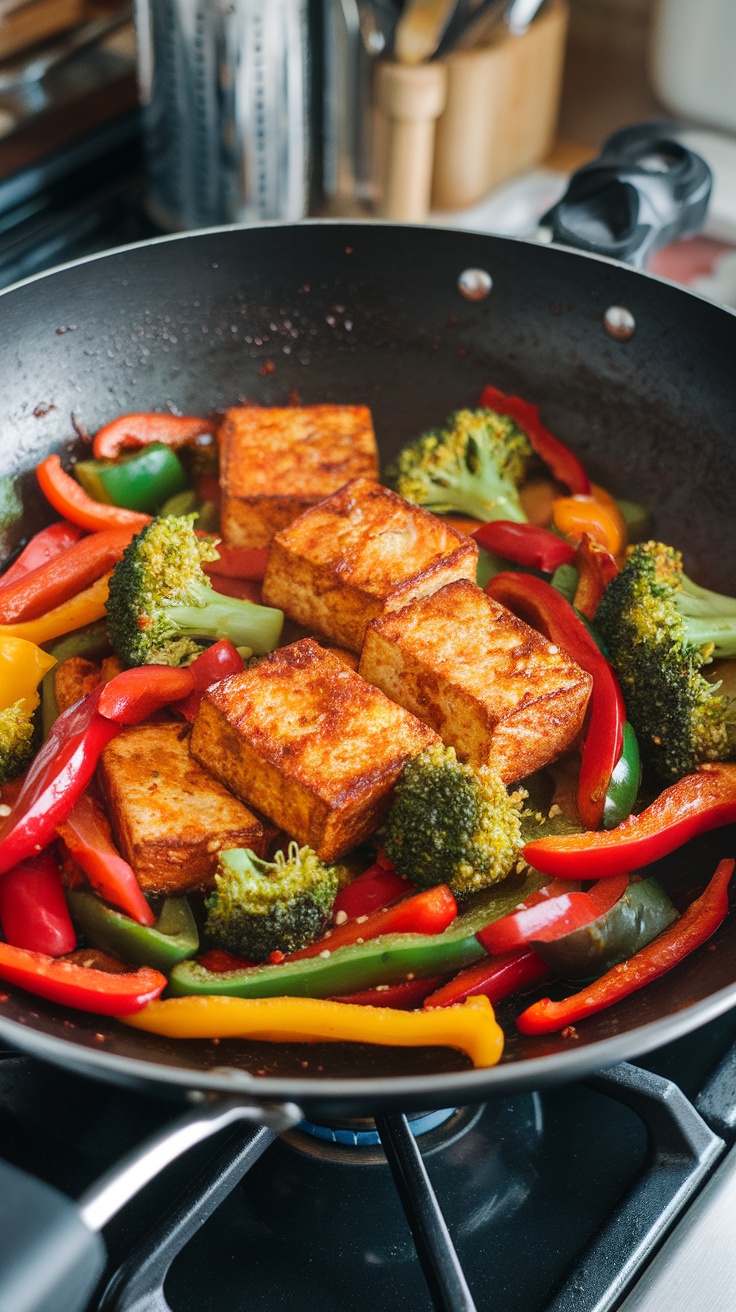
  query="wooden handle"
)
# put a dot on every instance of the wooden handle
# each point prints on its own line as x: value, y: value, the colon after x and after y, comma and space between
x: 411, y: 99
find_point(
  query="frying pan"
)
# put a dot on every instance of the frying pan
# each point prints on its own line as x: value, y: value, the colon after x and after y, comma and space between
x: 400, y: 318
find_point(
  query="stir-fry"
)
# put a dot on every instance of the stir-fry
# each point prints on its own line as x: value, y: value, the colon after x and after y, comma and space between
x: 320, y: 757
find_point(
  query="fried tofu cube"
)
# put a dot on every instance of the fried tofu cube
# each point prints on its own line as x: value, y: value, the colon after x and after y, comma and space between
x: 275, y: 462
x: 309, y: 743
x: 358, y: 554
x: 169, y: 816
x: 494, y: 689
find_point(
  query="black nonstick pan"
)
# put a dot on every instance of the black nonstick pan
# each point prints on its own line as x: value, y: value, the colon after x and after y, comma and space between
x: 635, y: 374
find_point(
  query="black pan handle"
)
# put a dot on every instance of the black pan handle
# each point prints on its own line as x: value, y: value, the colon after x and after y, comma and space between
x: 51, y: 1251
x: 644, y: 190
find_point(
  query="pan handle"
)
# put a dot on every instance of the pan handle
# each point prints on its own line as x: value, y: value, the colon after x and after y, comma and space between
x: 644, y: 190
x: 51, y: 1251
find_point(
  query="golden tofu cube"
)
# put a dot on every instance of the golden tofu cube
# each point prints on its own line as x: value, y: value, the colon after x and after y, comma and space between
x: 277, y: 461
x: 309, y: 743
x: 169, y: 816
x: 361, y: 553
x: 494, y: 689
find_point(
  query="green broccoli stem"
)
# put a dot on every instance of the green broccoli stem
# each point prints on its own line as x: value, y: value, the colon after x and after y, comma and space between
x: 716, y: 633
x: 243, y: 622
x: 700, y: 603
x: 468, y: 501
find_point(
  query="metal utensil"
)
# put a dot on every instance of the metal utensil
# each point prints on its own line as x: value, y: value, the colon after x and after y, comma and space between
x: 487, y: 20
x: 23, y: 72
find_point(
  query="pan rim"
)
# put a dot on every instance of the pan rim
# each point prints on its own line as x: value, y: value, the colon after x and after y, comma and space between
x: 415, y: 1091
x: 224, y: 228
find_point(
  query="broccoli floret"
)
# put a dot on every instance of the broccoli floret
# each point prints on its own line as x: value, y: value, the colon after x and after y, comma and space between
x: 259, y: 907
x: 473, y: 466
x: 16, y: 738
x: 660, y: 629
x: 452, y: 824
x: 160, y: 600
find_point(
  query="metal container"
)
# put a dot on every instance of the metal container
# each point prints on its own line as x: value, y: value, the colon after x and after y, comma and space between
x: 224, y: 86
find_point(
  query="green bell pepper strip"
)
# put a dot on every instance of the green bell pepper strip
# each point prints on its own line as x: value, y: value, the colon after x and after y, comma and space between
x: 142, y: 481
x: 170, y: 940
x: 91, y: 642
x: 640, y: 915
x: 385, y: 960
x: 625, y: 781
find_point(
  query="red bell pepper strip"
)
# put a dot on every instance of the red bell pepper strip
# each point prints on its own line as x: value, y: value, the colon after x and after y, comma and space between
x: 41, y: 549
x: 130, y: 431
x: 402, y: 997
x: 699, y: 802
x: 525, y: 544
x: 565, y: 466
x: 241, y: 589
x: 596, y: 567
x: 83, y: 987
x: 429, y: 912
x: 56, y: 778
x: 135, y: 694
x: 220, y: 962
x: 70, y: 499
x: 542, y: 920
x: 495, y: 979
x: 542, y: 606
x: 58, y: 580
x: 240, y: 562
x: 33, y: 910
x: 371, y: 891
x: 216, y: 662
x: 694, y: 927
x: 86, y: 833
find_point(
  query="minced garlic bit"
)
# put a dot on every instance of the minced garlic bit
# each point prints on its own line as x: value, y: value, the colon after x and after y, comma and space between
x: 326, y: 953
x: 554, y: 810
x: 360, y: 920
x: 4, y: 809
x: 340, y: 917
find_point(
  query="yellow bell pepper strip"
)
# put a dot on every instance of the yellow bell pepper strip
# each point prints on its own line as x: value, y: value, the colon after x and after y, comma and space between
x: 85, y: 608
x: 596, y: 514
x: 471, y: 1026
x: 70, y: 499
x: 22, y: 667
x: 63, y: 577
x: 694, y: 927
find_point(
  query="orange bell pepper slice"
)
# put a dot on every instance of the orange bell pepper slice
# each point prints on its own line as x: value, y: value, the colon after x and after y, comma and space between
x: 85, y: 608
x: 596, y: 514
x: 70, y: 499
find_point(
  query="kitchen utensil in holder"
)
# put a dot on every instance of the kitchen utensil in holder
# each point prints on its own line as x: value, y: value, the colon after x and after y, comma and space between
x: 225, y: 95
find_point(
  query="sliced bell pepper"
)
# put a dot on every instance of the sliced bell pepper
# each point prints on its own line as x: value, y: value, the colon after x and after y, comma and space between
x: 495, y: 980
x: 429, y: 912
x: 85, y: 831
x: 695, y: 804
x: 404, y: 997
x: 624, y: 926
x: 240, y: 589
x: 171, y: 938
x: 42, y: 548
x: 33, y: 910
x: 62, y: 577
x: 89, y: 641
x: 564, y: 465
x: 84, y: 608
x: 596, y: 567
x: 240, y: 562
x: 694, y: 927
x: 135, y: 694
x: 471, y: 1027
x: 216, y: 662
x: 525, y: 544
x: 547, y: 916
x: 22, y: 667
x: 82, y: 987
x: 130, y: 431
x: 375, y: 888
x: 70, y: 500
x: 542, y: 606
x: 624, y: 786
x: 57, y: 777
x: 142, y: 481
x: 596, y: 514
x: 217, y: 960
x: 387, y: 960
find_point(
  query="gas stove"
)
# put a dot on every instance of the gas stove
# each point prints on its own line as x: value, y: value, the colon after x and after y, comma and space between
x: 545, y: 1202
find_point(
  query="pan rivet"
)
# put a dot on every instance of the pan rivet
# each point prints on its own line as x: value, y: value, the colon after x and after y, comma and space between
x: 619, y: 322
x: 474, y: 284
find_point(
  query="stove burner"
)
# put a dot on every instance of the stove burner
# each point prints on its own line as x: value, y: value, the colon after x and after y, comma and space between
x: 368, y: 1137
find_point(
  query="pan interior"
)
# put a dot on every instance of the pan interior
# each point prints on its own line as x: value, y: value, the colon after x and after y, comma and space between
x: 372, y: 314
